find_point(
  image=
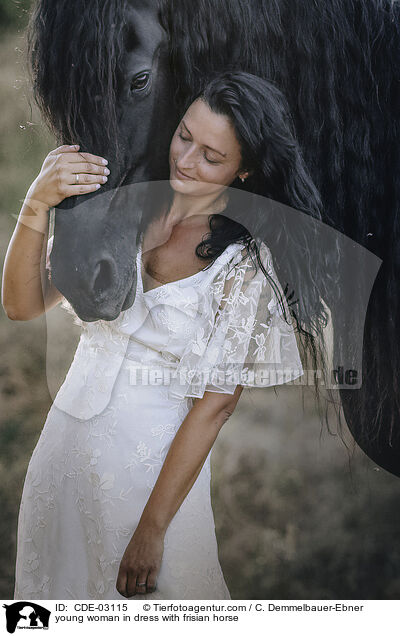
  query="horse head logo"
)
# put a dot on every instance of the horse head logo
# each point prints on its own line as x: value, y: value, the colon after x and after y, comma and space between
x: 26, y: 614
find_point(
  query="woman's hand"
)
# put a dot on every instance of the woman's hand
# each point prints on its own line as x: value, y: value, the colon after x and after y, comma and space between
x: 58, y: 178
x: 141, y: 562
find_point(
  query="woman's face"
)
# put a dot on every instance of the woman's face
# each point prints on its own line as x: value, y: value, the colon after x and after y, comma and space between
x: 204, y: 155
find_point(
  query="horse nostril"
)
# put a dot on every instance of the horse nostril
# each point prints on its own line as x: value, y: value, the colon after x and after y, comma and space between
x: 103, y: 276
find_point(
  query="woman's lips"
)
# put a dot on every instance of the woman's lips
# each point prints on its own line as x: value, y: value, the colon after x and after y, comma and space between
x: 182, y: 175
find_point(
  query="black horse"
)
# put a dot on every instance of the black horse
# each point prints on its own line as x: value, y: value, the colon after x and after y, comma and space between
x: 100, y: 75
x: 114, y: 76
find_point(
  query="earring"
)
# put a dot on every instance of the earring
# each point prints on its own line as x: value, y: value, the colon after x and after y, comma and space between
x: 242, y: 179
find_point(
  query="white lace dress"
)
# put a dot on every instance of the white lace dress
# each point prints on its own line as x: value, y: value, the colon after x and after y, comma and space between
x: 106, y: 436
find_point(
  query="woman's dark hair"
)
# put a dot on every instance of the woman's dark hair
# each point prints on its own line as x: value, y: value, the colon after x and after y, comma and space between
x: 260, y: 116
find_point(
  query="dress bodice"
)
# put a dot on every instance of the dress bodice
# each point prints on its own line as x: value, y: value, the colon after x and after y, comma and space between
x: 170, y: 315
x: 174, y: 325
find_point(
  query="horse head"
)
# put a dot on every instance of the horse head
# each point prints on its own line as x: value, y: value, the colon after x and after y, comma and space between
x: 100, y: 77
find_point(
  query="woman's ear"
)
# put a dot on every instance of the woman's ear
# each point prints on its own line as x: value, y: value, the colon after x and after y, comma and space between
x: 244, y: 174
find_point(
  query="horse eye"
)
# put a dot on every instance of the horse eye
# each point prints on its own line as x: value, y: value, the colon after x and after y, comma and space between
x: 140, y: 81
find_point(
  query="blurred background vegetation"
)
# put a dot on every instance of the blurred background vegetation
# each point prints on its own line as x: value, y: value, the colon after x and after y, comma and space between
x: 296, y: 518
x: 13, y: 14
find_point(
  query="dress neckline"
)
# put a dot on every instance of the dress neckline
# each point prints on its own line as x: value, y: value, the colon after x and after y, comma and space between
x: 139, y: 265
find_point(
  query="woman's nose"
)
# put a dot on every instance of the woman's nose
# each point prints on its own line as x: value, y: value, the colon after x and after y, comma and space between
x: 187, y: 159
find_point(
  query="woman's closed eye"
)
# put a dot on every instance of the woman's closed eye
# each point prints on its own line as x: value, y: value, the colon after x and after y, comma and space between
x: 210, y: 160
x: 204, y: 154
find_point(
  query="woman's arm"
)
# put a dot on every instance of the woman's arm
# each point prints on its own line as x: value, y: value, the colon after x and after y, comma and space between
x: 183, y: 463
x: 26, y: 289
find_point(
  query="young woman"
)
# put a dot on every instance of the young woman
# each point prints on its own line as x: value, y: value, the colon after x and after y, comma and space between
x: 116, y: 500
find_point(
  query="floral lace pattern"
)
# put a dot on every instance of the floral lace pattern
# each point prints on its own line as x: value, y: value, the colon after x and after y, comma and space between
x: 242, y: 336
x: 214, y: 330
x: 85, y: 489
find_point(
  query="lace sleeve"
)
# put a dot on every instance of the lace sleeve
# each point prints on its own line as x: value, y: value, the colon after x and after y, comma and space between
x: 248, y: 342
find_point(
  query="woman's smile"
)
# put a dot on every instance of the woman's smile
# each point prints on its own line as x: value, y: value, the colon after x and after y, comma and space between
x: 182, y: 175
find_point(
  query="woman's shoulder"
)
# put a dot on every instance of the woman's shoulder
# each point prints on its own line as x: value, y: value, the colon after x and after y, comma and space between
x: 246, y: 255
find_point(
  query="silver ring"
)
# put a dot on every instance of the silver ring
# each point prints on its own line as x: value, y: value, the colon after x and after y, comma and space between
x: 77, y: 178
x: 141, y: 584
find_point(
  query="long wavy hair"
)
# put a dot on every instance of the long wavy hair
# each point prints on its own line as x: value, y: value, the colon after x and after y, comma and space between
x: 336, y: 63
x: 75, y: 86
x: 260, y: 116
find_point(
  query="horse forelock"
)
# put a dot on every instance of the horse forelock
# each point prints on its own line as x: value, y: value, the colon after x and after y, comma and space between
x: 75, y: 51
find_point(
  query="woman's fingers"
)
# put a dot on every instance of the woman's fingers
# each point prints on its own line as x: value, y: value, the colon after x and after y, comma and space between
x: 146, y: 577
x: 66, y: 172
x: 84, y: 178
x: 141, y: 562
x: 141, y: 579
x: 86, y: 168
x: 151, y: 580
x: 131, y: 585
x: 78, y: 157
x: 134, y: 583
x: 131, y: 582
x: 121, y: 582
x: 126, y: 582
x: 88, y: 157
x: 64, y: 148
x: 73, y: 190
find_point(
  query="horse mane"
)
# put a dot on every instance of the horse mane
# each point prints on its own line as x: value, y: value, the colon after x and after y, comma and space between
x: 76, y: 87
x: 336, y: 62
x: 330, y: 103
